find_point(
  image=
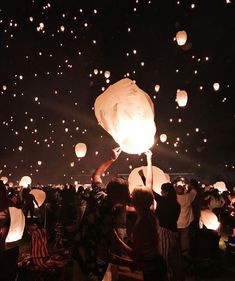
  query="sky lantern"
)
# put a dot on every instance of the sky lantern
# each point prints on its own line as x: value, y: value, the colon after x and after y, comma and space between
x: 4, y: 179
x: 39, y: 195
x: 39, y: 163
x: 25, y: 181
x: 216, y: 86
x: 181, y: 37
x: 221, y: 186
x: 17, y: 225
x: 80, y: 149
x: 159, y: 177
x: 126, y: 112
x: 157, y: 88
x: 163, y: 137
x: 209, y: 219
x: 181, y: 98
x: 107, y: 74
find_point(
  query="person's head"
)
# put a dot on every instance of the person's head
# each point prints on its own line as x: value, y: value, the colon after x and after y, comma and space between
x: 179, y: 189
x: 142, y: 199
x: 168, y: 190
x: 118, y: 192
x: 80, y: 189
x: 194, y: 184
x: 12, y: 195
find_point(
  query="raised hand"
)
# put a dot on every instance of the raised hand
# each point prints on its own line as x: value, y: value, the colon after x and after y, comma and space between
x: 115, y: 153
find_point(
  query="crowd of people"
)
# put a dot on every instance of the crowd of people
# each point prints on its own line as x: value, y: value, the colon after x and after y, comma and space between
x: 159, y: 232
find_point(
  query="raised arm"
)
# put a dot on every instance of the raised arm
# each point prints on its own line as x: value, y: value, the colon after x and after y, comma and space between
x: 96, y: 177
x: 149, y: 176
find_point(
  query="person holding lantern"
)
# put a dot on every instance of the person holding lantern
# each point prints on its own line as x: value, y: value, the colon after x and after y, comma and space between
x: 93, y: 239
x: 145, y: 241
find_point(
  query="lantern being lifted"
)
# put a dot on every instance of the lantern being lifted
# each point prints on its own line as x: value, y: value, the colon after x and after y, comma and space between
x: 17, y: 225
x: 39, y: 195
x: 4, y: 179
x: 221, y: 186
x: 80, y: 149
x: 127, y: 114
x: 181, y: 37
x: 209, y: 220
x: 136, y: 178
x: 25, y: 181
x: 181, y: 98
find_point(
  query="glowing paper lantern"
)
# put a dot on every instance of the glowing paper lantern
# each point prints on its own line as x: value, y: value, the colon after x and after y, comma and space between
x: 17, y: 225
x: 25, y: 181
x: 39, y: 163
x: 181, y: 37
x: 159, y: 177
x: 209, y: 219
x: 216, y: 86
x: 221, y: 186
x: 127, y: 114
x: 107, y: 74
x: 181, y: 98
x: 163, y: 137
x: 39, y: 195
x: 157, y: 88
x: 4, y: 179
x: 80, y: 149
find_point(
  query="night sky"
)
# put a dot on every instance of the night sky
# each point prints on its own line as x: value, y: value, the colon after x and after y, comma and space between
x: 51, y: 52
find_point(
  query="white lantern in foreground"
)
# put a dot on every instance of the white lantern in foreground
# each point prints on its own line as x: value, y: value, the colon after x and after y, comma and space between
x: 25, y: 181
x: 181, y: 98
x: 209, y: 220
x: 17, y: 225
x: 159, y: 177
x: 163, y: 137
x: 80, y: 149
x: 4, y: 179
x: 181, y: 37
x: 39, y: 195
x: 127, y: 114
x: 221, y: 186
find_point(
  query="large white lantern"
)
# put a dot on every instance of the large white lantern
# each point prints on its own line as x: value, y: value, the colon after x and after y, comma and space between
x: 4, y: 179
x: 163, y: 137
x: 181, y: 37
x: 127, y: 114
x: 80, y: 149
x: 25, y: 181
x: 39, y: 195
x: 181, y: 98
x: 159, y: 177
x: 209, y: 220
x: 17, y: 225
x: 221, y: 186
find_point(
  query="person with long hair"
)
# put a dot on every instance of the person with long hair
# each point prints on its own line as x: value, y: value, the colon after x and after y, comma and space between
x: 145, y: 245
